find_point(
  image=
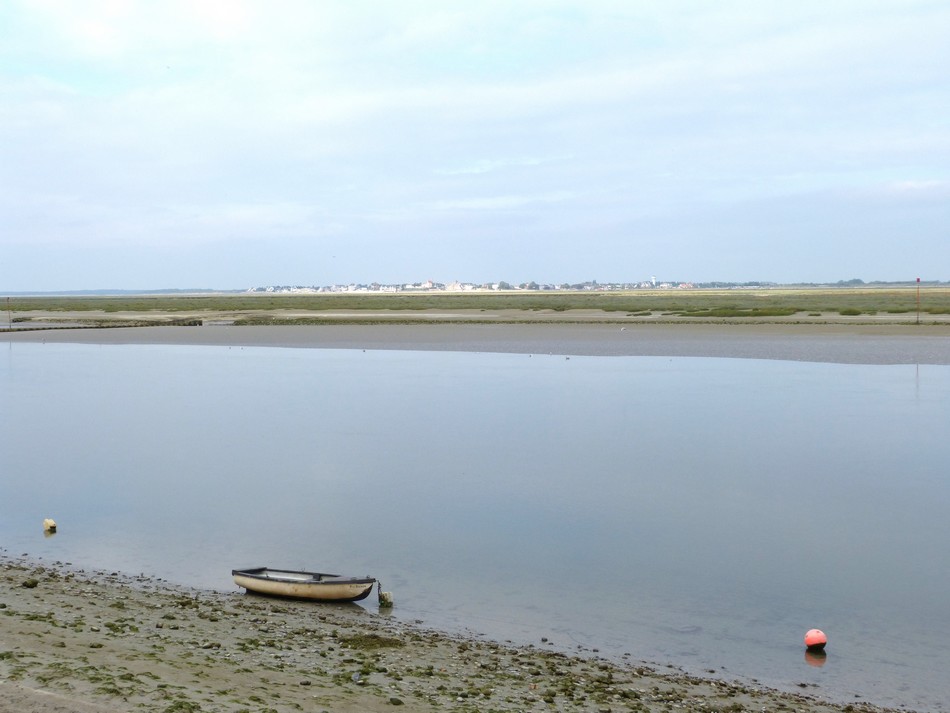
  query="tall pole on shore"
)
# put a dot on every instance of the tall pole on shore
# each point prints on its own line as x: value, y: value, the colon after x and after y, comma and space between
x: 918, y: 300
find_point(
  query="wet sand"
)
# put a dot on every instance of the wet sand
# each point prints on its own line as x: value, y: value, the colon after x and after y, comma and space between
x: 837, y: 343
x: 97, y: 642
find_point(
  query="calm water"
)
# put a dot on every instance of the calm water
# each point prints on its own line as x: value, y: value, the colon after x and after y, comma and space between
x: 698, y: 512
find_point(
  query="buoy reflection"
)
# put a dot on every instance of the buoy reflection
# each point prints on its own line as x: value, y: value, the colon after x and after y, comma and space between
x: 816, y: 658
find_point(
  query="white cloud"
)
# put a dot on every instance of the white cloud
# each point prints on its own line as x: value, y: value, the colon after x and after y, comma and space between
x: 488, y: 165
x: 503, y: 202
x: 920, y: 189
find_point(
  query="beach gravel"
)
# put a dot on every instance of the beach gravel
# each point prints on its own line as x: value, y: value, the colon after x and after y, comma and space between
x: 97, y: 642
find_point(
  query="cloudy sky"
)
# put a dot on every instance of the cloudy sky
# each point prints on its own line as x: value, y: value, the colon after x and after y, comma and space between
x: 235, y: 143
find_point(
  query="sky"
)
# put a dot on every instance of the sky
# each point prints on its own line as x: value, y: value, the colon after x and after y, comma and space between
x: 229, y: 144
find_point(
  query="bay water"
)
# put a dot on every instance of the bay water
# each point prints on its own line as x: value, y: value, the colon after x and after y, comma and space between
x: 695, y: 512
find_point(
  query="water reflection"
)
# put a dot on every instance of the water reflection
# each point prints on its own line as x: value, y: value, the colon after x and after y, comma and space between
x: 691, y: 511
x: 816, y: 658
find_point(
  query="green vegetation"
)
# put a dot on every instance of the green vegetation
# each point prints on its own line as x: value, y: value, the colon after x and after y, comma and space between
x: 247, y: 308
x: 740, y: 312
x: 370, y: 641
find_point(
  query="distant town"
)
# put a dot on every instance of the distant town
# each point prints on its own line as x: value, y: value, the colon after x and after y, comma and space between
x: 431, y: 286
x: 590, y: 286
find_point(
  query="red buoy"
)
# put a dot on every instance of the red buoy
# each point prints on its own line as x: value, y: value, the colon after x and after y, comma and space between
x: 815, y: 640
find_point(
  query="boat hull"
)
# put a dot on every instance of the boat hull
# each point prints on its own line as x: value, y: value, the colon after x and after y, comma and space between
x: 293, y: 584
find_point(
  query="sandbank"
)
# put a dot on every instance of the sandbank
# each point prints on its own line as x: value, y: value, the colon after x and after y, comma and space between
x: 837, y: 343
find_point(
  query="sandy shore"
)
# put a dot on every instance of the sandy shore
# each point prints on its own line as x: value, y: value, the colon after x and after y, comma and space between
x: 97, y: 642
x: 839, y: 343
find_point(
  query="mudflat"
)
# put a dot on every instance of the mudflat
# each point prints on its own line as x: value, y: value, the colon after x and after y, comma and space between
x: 98, y: 642
x: 884, y: 343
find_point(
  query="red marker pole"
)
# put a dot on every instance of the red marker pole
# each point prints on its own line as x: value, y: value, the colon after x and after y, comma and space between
x: 918, y: 300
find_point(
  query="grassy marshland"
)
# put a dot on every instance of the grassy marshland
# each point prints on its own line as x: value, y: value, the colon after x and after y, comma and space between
x: 806, y: 303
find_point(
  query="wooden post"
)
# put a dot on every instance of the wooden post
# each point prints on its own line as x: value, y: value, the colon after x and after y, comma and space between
x: 918, y: 300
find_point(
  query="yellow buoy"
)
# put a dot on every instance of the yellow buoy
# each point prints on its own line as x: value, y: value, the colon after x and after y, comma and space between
x: 49, y: 525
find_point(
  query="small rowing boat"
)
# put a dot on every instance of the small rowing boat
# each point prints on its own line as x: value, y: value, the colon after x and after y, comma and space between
x: 303, y: 585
